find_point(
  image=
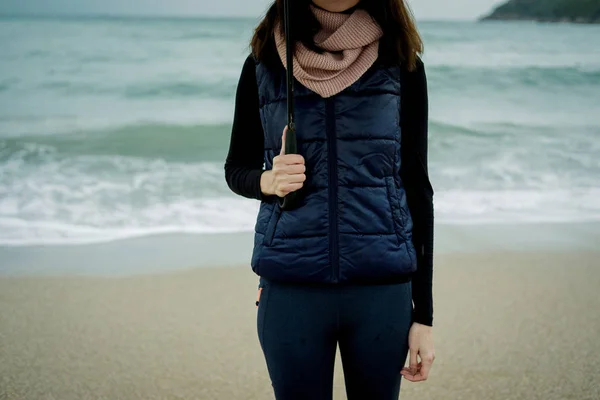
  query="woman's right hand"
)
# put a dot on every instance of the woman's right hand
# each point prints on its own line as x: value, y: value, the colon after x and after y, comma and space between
x: 287, y: 174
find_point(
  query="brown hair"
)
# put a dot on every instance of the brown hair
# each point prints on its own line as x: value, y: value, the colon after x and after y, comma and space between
x: 400, y: 44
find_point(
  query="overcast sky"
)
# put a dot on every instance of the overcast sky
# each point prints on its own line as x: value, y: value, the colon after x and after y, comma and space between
x: 423, y: 9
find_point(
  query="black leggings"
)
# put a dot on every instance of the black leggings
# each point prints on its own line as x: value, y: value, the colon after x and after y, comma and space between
x: 300, y: 326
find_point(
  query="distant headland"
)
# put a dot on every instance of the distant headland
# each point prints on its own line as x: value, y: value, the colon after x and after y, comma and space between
x: 575, y: 11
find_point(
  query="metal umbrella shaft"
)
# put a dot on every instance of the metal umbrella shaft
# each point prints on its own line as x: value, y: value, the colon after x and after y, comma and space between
x: 291, y: 145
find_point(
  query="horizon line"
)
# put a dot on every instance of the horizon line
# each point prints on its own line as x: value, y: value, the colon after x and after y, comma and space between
x: 151, y: 16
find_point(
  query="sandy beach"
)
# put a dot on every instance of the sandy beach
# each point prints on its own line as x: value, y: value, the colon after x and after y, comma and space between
x: 518, y: 325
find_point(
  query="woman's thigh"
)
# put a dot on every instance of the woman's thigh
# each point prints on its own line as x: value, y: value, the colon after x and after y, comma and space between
x: 375, y: 321
x: 296, y: 328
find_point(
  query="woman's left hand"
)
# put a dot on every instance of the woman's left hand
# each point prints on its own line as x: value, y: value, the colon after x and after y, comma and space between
x: 420, y: 342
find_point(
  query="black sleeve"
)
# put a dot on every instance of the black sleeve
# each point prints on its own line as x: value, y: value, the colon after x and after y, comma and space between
x: 244, y: 163
x: 419, y: 192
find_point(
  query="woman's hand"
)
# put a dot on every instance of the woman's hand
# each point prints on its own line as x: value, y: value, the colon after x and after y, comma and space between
x: 420, y: 342
x: 287, y: 174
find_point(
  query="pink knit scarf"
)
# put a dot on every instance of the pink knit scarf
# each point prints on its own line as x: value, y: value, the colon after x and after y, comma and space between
x: 351, y: 44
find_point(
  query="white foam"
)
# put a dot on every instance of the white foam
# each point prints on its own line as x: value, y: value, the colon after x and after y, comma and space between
x: 517, y: 206
x: 235, y: 214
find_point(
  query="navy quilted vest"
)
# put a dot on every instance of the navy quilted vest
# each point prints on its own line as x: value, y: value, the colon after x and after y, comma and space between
x: 353, y: 223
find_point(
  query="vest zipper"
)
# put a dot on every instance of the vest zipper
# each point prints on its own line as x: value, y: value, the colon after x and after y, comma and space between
x: 332, y: 154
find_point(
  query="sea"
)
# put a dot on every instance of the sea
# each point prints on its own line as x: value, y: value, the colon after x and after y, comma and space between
x: 118, y: 127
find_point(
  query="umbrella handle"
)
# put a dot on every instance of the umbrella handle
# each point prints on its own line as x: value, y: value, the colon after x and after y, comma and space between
x: 292, y: 199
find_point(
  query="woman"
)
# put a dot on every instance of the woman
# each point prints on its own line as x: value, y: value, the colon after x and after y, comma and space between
x: 345, y: 265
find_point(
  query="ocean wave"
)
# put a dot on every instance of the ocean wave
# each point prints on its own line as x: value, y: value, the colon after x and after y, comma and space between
x: 116, y: 184
x: 514, y: 77
x: 223, y: 88
x: 222, y: 85
x: 20, y: 232
x: 50, y: 198
x: 77, y: 225
x: 443, y: 128
x: 183, y: 143
x: 456, y: 206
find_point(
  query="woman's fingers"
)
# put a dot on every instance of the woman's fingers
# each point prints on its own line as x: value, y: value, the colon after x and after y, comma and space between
x: 408, y: 375
x: 413, y: 364
x: 282, y: 152
x: 281, y: 162
x: 289, y: 186
x: 296, y: 179
x: 286, y: 188
x: 415, y: 376
x: 427, y: 359
x: 291, y: 159
x: 421, y: 372
x: 288, y: 170
x: 290, y: 183
x: 289, y: 173
x: 425, y: 370
x: 411, y: 372
x: 293, y: 169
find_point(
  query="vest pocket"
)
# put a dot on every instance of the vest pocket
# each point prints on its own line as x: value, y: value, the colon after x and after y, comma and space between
x: 272, y: 225
x: 397, y: 214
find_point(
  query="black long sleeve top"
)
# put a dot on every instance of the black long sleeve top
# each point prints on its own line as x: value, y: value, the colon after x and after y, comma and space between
x: 244, y: 167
